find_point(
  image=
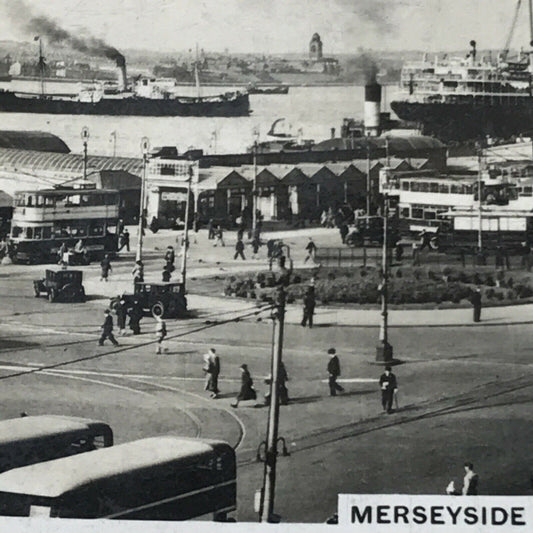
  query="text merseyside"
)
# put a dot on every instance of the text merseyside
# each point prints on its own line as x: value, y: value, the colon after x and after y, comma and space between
x: 438, y: 515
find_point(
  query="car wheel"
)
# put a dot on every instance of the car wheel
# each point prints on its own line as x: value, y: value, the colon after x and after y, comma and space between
x: 51, y: 295
x: 158, y: 309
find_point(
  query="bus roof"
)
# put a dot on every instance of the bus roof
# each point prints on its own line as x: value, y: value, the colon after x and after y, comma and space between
x: 62, y: 192
x: 32, y: 427
x: 51, y: 479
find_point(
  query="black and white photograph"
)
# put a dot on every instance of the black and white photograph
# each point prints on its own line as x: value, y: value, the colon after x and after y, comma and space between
x: 266, y: 262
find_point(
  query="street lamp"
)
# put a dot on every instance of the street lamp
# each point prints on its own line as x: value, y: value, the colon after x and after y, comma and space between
x: 254, y: 189
x: 145, y: 147
x: 185, y: 242
x: 384, y: 349
x: 85, y: 139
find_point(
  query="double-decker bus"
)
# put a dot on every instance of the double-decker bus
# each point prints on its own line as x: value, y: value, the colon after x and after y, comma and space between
x: 45, y: 219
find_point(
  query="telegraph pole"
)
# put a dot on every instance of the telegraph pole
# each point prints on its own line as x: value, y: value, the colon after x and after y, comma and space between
x: 367, y: 178
x: 269, y: 483
x: 184, y: 245
x: 145, y: 146
x: 85, y: 139
x: 480, y: 217
x: 254, y: 191
x: 384, y: 349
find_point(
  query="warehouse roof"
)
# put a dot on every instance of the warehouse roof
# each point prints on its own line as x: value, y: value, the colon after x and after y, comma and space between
x: 33, y: 140
x: 30, y: 159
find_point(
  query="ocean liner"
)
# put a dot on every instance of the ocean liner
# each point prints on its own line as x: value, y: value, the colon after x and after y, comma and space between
x: 470, y: 98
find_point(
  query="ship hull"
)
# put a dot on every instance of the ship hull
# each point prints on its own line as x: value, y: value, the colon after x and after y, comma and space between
x: 129, y: 106
x: 269, y: 90
x: 468, y: 120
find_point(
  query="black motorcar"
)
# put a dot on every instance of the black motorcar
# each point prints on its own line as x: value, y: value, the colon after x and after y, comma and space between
x: 61, y: 285
x: 164, y: 299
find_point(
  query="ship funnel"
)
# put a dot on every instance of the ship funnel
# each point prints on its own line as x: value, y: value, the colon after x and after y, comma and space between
x: 473, y: 51
x: 372, y: 108
x: 122, y: 74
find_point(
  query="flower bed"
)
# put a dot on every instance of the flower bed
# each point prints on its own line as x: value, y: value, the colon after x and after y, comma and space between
x: 407, y: 285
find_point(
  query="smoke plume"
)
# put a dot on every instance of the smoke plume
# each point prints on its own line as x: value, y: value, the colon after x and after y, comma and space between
x: 379, y: 13
x: 21, y: 14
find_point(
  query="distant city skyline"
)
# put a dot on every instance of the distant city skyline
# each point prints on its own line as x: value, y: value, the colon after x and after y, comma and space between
x: 274, y: 26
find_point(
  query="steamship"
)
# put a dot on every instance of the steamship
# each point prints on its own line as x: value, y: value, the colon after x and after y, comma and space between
x: 147, y: 97
x: 468, y: 98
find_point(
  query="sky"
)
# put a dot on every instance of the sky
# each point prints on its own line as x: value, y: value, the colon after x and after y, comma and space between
x: 275, y: 26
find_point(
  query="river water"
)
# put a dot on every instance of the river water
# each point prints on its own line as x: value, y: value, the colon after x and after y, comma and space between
x: 314, y: 110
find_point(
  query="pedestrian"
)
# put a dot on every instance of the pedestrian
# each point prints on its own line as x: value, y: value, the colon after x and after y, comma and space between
x: 122, y: 312
x: 343, y: 230
x: 240, y: 233
x: 247, y: 391
x: 212, y: 371
x: 135, y: 314
x: 239, y: 250
x: 334, y: 371
x: 219, y: 234
x: 160, y: 333
x: 470, y: 480
x: 398, y: 252
x: 170, y: 258
x: 105, y: 266
x: 255, y: 247
x: 165, y: 277
x: 124, y: 240
x: 416, y: 254
x: 210, y: 230
x: 388, y: 386
x: 526, y: 256
x: 311, y: 250
x: 475, y: 299
x: 62, y: 253
x: 309, y: 302
x: 107, y: 329
x: 138, y: 272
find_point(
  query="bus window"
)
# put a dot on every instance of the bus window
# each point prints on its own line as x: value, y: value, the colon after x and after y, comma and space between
x: 39, y: 201
x: 96, y: 229
x: 29, y: 233
x: 405, y: 185
x: 430, y: 215
x: 456, y: 189
x: 47, y: 232
x: 405, y: 212
x: 49, y: 201
x: 29, y: 201
x: 37, y: 233
x: 16, y: 231
x: 415, y: 186
x: 417, y: 212
x: 79, y: 230
x: 424, y: 186
x: 73, y: 200
x: 444, y: 188
x: 433, y: 187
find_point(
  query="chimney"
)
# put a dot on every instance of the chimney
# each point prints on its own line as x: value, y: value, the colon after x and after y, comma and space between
x: 332, y: 133
x: 372, y: 108
x: 473, y: 52
x: 122, y: 75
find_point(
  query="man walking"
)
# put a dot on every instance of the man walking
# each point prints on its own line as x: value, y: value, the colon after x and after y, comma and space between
x: 124, y: 240
x: 105, y: 265
x: 470, y: 481
x: 138, y: 272
x: 121, y: 312
x: 160, y: 333
x: 309, y: 302
x: 388, y: 386
x: 334, y: 371
x: 476, y: 302
x: 311, y: 250
x: 107, y: 329
x: 212, y: 370
x: 239, y: 250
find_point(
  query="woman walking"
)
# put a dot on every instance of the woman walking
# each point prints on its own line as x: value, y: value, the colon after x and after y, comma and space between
x: 247, y: 391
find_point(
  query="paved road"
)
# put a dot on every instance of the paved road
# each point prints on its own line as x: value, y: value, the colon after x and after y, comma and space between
x: 464, y: 395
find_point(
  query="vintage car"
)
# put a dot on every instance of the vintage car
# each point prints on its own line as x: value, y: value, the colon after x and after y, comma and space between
x: 61, y: 285
x: 164, y: 299
x: 368, y: 231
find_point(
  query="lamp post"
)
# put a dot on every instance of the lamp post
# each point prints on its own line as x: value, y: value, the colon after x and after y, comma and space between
x: 384, y: 349
x: 480, y: 216
x: 113, y: 139
x: 254, y: 188
x: 145, y: 147
x: 185, y: 239
x: 85, y: 139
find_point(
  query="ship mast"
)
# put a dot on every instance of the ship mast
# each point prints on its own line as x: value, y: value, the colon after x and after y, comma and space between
x: 41, y: 64
x: 196, y: 76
